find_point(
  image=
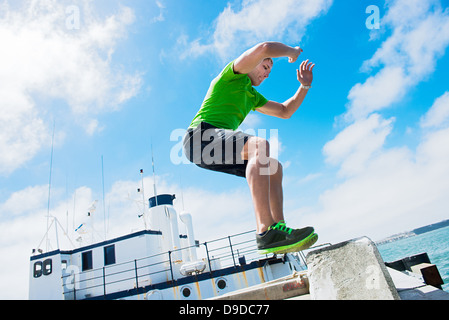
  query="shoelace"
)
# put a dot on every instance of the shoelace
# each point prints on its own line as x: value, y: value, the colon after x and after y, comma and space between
x: 281, y: 225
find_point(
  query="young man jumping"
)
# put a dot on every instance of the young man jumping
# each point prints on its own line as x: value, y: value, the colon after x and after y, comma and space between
x: 212, y: 141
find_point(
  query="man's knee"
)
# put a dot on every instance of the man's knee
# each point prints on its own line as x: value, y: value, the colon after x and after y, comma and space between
x: 275, y: 168
x: 257, y: 148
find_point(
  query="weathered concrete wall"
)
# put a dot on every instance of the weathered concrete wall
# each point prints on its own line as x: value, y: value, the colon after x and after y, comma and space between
x: 351, y: 270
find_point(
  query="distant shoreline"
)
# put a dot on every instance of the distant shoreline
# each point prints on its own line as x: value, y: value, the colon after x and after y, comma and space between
x: 414, y: 232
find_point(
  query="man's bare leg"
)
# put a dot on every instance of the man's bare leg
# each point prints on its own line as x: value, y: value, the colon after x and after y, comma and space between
x: 264, y: 176
x: 276, y: 191
x: 260, y: 192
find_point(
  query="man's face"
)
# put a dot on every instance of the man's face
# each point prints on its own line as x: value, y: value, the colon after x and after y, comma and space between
x: 260, y: 73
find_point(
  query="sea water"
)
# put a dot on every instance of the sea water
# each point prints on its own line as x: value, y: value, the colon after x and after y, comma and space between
x: 435, y: 243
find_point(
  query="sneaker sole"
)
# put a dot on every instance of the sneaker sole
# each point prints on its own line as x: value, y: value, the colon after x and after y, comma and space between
x: 296, y: 247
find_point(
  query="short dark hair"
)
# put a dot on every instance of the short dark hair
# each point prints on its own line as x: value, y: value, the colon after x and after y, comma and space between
x: 271, y: 59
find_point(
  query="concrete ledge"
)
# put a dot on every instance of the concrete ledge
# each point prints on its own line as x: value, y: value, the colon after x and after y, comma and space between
x: 351, y: 270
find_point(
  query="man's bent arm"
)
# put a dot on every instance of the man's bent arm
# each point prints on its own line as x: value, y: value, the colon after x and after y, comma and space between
x: 287, y: 109
x: 248, y: 61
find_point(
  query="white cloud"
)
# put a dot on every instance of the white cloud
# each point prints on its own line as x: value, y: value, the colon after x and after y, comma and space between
x: 43, y: 60
x: 438, y: 114
x: 420, y: 35
x: 23, y: 131
x: 357, y: 143
x: 160, y: 17
x: 258, y: 20
x: 24, y: 201
x: 378, y: 92
x: 222, y: 214
x: 399, y: 190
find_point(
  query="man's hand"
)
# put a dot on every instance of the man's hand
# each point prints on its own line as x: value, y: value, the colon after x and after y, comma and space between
x: 305, y: 73
x: 294, y: 56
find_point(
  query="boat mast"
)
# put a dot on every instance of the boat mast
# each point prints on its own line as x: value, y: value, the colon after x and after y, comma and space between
x: 49, y: 187
x: 154, y: 174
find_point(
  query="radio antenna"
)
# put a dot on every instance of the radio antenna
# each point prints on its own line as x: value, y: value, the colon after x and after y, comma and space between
x: 104, y: 202
x: 49, y: 186
x: 142, y: 191
x: 154, y: 174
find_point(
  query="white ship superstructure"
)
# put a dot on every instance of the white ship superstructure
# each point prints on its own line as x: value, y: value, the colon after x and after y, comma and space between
x: 157, y: 263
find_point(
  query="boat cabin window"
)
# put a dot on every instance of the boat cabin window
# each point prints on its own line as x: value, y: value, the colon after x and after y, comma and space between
x: 109, y: 255
x: 47, y: 267
x: 37, y: 269
x: 87, y: 262
x: 42, y: 268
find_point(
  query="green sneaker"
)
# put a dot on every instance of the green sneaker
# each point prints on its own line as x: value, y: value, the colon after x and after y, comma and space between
x: 280, y: 239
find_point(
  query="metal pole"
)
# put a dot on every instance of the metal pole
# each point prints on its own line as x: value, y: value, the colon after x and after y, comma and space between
x: 208, y: 258
x: 171, y: 267
x: 74, y: 286
x: 137, y: 276
x: 232, y: 251
x: 104, y: 282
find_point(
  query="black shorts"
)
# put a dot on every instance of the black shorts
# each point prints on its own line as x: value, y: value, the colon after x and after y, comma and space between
x: 216, y: 149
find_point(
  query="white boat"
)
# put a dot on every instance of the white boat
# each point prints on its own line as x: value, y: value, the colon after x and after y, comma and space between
x: 157, y: 263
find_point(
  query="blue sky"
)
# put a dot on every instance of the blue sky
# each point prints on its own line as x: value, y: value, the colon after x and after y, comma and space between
x: 367, y: 153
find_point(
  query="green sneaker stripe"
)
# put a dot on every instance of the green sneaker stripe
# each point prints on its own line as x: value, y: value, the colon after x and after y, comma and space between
x: 281, y: 225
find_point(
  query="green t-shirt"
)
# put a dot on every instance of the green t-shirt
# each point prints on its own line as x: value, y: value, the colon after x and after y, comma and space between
x: 229, y: 100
